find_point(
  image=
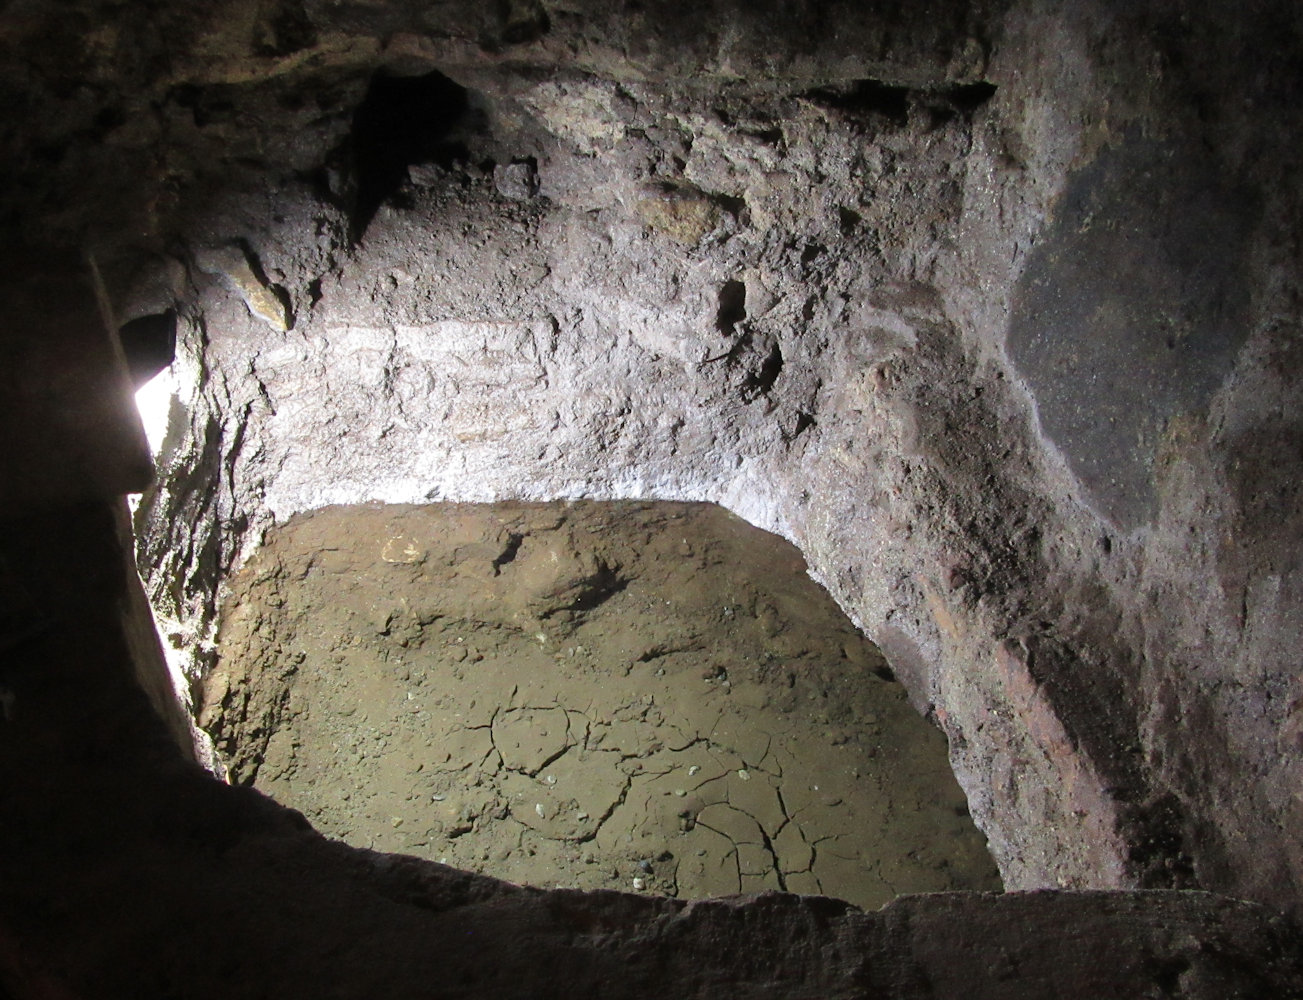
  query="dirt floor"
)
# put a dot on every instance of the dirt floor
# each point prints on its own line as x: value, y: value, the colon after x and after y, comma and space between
x: 640, y: 696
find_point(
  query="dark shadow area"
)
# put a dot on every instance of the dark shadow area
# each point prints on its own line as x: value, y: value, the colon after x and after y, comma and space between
x: 865, y: 99
x: 968, y: 97
x: 732, y: 307
x: 404, y: 121
x: 149, y: 344
x: 958, y: 101
x: 289, y: 29
x: 1132, y: 311
x: 760, y: 381
x: 868, y: 99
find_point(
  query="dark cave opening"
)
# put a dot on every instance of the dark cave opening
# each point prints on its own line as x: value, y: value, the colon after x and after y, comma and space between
x: 404, y: 121
x: 149, y: 343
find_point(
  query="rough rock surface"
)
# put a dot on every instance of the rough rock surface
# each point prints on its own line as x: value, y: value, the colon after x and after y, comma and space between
x: 647, y: 697
x: 992, y: 309
x: 993, y: 312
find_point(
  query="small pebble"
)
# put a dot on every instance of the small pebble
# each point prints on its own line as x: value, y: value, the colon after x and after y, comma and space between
x: 639, y: 884
x: 744, y: 774
x: 693, y: 770
x: 542, y: 813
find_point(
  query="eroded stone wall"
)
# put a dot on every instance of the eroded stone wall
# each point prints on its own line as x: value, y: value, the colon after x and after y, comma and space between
x: 992, y: 311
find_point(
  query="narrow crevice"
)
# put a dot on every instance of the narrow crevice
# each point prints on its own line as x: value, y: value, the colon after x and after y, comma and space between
x: 968, y: 97
x: 865, y: 99
x: 508, y: 553
x: 804, y: 421
x: 773, y: 859
x: 594, y: 591
x: 667, y: 649
x: 601, y: 820
x: 732, y: 307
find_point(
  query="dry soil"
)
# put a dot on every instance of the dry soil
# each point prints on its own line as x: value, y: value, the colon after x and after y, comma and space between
x: 642, y: 696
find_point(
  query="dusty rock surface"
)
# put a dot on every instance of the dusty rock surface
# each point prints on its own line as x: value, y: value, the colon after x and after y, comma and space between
x: 992, y: 309
x: 649, y: 697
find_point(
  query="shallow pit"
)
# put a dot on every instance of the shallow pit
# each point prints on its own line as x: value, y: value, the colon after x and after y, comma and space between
x: 634, y: 695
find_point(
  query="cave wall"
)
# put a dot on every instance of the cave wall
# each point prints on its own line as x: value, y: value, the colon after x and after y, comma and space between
x: 992, y: 309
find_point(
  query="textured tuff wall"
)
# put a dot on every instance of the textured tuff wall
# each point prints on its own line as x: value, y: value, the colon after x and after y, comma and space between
x: 992, y: 309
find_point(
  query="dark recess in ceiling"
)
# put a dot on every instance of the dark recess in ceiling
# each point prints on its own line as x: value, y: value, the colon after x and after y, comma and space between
x: 404, y: 121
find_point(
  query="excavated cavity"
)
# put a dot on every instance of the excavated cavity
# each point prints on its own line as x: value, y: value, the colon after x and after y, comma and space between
x: 995, y: 359
x: 646, y: 696
x: 402, y: 122
x: 732, y: 306
x: 869, y: 99
x: 1036, y: 429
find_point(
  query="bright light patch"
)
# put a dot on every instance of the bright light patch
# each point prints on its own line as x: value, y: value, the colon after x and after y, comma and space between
x: 154, y: 400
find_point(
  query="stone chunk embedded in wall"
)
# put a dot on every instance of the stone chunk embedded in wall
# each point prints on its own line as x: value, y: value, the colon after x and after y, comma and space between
x: 240, y: 271
x: 517, y: 180
x: 683, y: 214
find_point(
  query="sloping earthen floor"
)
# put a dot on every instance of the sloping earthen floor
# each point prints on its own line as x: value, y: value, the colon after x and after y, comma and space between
x: 645, y: 696
x: 127, y: 871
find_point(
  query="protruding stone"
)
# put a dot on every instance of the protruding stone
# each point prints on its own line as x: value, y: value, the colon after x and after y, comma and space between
x: 517, y: 180
x: 685, y: 215
x: 242, y: 275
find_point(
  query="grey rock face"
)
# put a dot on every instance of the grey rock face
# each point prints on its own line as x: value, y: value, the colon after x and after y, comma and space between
x: 1131, y: 313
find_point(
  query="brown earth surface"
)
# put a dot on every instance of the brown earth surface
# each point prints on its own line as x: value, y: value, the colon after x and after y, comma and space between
x: 646, y: 696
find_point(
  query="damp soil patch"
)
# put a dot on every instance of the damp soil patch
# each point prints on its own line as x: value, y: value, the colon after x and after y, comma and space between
x: 641, y: 696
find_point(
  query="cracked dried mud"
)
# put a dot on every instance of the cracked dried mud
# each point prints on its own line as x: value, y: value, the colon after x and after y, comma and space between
x: 645, y: 696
